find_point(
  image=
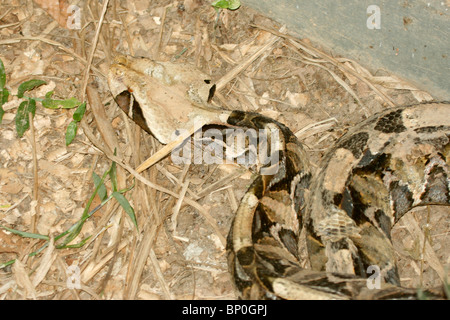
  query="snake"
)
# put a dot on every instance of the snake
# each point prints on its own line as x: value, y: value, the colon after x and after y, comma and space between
x: 376, y: 172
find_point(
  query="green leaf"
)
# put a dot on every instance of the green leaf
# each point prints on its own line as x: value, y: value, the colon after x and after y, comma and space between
x: 32, y: 106
x: 7, y: 263
x: 22, y: 120
x: 56, y: 104
x: 75, y: 229
x: 102, y: 193
x: 26, y: 234
x: 29, y: 85
x: 2, y: 75
x: 4, y: 94
x: 73, y: 232
x: 113, y: 174
x: 422, y: 295
x: 79, y: 113
x: 446, y: 287
x: 226, y: 4
x: 126, y: 206
x: 71, y: 132
x: 77, y: 245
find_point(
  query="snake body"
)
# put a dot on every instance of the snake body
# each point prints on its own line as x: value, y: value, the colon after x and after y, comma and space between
x: 375, y: 173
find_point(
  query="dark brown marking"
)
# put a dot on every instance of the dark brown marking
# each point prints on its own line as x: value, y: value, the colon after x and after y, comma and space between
x: 431, y: 129
x: 391, y: 122
x: 123, y: 100
x: 436, y: 187
x: 402, y: 199
x: 356, y: 143
x: 138, y: 116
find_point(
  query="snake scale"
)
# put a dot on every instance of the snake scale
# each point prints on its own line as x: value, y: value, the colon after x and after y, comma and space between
x: 395, y: 160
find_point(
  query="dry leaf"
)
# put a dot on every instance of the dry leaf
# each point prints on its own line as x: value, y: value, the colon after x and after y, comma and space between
x: 297, y: 99
x: 57, y: 9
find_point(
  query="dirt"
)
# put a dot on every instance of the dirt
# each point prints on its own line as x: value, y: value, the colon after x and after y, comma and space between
x: 160, y: 261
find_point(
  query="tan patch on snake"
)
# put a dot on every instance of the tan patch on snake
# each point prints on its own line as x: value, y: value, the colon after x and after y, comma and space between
x: 338, y: 170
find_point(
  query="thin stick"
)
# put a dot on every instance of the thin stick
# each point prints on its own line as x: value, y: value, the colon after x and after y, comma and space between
x: 244, y: 64
x: 176, y: 208
x: 167, y: 294
x: 161, y: 31
x: 94, y: 46
x: 35, y: 174
x: 164, y: 151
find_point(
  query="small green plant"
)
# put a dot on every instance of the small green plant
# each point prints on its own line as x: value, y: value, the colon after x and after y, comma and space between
x: 28, y: 106
x: 66, y: 237
x: 226, y: 4
x: 27, y: 110
x: 4, y: 93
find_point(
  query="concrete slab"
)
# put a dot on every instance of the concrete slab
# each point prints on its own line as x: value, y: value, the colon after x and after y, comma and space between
x: 409, y: 38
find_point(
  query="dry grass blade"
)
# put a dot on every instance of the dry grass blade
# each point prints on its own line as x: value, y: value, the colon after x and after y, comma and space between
x: 23, y: 280
x: 164, y: 151
x: 177, y: 207
x: 247, y: 62
x: 35, y: 175
x: 174, y: 180
x: 342, y: 83
x: 94, y: 267
x: 102, y: 120
x: 167, y: 294
x: 315, y: 128
x: 93, y: 48
x: 301, y: 45
x: 45, y: 263
x: 429, y: 254
x: 137, y: 266
x: 218, y: 184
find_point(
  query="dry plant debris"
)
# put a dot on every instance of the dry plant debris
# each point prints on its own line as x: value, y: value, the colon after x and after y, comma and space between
x: 183, y: 213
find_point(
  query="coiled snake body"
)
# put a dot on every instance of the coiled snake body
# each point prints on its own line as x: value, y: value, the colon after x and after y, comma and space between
x: 380, y: 169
